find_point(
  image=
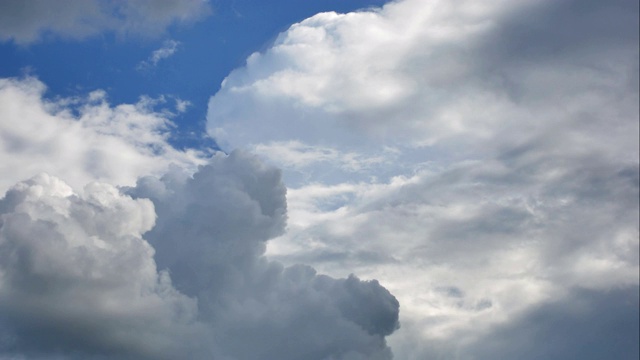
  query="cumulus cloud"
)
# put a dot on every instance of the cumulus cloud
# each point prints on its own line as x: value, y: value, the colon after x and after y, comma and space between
x: 592, y: 325
x: 77, y: 276
x: 479, y: 159
x: 173, y: 268
x: 212, y: 232
x: 28, y: 21
x: 507, y: 147
x: 423, y: 73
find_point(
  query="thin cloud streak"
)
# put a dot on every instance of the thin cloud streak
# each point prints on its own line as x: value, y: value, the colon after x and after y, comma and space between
x: 168, y: 49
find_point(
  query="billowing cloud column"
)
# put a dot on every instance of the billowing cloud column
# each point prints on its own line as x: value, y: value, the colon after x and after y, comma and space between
x: 78, y: 278
x: 478, y: 157
x: 211, y: 234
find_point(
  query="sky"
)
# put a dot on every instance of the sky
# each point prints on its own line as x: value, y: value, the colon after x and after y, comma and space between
x: 326, y: 179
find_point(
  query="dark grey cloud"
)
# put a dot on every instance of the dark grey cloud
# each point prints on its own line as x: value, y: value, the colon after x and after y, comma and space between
x: 506, y: 207
x: 586, y: 324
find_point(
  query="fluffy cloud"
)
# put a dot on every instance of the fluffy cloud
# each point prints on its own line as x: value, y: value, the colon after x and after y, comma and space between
x: 77, y: 276
x: 82, y: 139
x: 27, y: 21
x: 427, y: 72
x: 506, y: 157
x: 212, y: 232
x: 173, y: 268
x: 479, y: 159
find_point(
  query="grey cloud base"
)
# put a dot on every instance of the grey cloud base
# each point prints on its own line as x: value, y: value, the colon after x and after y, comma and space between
x: 99, y: 275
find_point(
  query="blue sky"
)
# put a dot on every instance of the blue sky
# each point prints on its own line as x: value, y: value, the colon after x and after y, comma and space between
x: 325, y: 179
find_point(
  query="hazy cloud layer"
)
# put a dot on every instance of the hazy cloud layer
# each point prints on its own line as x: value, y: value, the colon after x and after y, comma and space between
x: 25, y: 21
x: 492, y: 160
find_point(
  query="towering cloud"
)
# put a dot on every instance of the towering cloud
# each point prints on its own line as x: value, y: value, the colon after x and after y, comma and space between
x: 211, y: 233
x: 78, y: 278
x: 479, y: 158
x: 100, y: 274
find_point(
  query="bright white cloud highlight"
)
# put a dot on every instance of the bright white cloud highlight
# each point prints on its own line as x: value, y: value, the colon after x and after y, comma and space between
x: 162, y: 257
x: 82, y: 139
x: 173, y: 268
x: 77, y: 276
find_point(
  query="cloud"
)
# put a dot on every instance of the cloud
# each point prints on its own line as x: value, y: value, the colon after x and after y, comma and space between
x: 28, y: 21
x: 169, y: 47
x: 77, y: 276
x: 80, y: 278
x: 173, y: 267
x: 480, y: 165
x: 82, y: 139
x: 418, y: 73
x: 223, y: 217
x: 182, y: 105
x: 506, y: 171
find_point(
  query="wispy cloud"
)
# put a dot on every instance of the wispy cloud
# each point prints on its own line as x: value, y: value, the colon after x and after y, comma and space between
x: 168, y: 49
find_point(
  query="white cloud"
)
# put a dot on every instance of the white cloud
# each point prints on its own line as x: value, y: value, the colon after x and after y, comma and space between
x: 479, y: 159
x: 513, y: 180
x: 26, y: 21
x: 182, y: 105
x: 330, y: 78
x: 81, y: 140
x: 79, y: 277
x: 211, y: 233
x: 169, y: 47
x: 163, y: 266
